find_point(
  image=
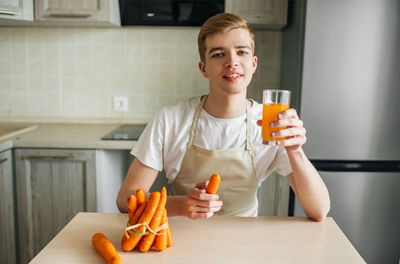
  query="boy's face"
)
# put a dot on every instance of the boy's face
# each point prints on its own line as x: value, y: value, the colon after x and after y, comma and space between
x: 229, y: 61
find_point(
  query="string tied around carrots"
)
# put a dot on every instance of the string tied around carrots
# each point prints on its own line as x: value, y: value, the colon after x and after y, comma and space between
x: 131, y: 230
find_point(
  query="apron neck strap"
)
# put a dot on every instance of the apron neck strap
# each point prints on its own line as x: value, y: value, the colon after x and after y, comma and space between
x: 195, y: 121
x: 249, y: 130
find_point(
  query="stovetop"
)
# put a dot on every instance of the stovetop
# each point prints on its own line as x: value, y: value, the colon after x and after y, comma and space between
x: 126, y: 132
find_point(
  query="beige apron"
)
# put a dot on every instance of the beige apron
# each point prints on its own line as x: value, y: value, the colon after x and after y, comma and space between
x: 238, y: 187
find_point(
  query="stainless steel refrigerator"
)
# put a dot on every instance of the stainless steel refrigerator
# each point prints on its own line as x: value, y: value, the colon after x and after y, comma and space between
x: 350, y: 105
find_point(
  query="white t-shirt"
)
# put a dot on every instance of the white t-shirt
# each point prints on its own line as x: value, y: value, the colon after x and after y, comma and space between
x: 162, y: 144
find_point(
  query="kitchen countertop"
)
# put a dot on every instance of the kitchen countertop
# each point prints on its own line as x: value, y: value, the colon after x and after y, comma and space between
x: 9, y: 131
x: 77, y: 136
x: 220, y: 239
x: 72, y: 120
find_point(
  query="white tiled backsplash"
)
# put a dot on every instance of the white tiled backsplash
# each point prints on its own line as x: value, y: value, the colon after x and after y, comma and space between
x: 76, y: 72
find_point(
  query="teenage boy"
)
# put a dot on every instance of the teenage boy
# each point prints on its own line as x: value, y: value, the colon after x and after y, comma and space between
x: 217, y: 133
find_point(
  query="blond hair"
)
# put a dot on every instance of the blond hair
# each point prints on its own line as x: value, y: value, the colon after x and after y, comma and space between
x: 221, y: 23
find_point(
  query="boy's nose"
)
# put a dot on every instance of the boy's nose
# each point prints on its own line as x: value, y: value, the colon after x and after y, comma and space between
x: 231, y: 60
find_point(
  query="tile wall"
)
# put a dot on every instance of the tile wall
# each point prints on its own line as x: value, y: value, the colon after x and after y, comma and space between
x: 76, y: 72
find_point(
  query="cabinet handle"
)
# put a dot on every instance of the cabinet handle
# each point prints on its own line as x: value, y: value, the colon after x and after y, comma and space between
x: 69, y: 156
x: 3, y: 160
x: 70, y: 15
x: 5, y: 12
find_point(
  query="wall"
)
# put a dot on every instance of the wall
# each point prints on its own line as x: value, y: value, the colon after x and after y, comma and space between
x: 75, y: 72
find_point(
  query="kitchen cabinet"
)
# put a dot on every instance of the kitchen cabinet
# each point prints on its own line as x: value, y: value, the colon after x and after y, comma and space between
x: 76, y: 13
x: 16, y: 10
x: 53, y: 185
x: 7, y: 220
x: 260, y: 14
x: 112, y: 166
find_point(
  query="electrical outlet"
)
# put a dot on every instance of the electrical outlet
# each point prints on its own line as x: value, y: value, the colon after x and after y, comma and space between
x: 120, y: 103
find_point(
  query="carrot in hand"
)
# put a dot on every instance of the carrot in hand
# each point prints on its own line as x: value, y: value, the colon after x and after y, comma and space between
x: 147, y: 240
x: 146, y: 217
x: 106, y: 249
x: 160, y: 242
x: 213, y: 184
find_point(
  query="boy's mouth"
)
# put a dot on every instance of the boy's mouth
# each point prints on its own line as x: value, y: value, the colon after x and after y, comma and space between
x: 233, y: 76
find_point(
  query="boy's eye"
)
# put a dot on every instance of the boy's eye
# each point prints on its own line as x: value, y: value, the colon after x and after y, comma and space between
x: 242, y: 52
x: 217, y: 55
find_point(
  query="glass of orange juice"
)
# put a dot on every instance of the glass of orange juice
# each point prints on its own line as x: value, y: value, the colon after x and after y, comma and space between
x: 274, y: 102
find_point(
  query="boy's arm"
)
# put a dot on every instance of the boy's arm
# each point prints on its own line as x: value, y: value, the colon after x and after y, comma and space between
x: 308, y: 186
x: 304, y: 180
x: 139, y: 176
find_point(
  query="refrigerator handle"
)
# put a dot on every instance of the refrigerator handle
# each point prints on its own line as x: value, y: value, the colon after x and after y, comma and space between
x: 357, y: 165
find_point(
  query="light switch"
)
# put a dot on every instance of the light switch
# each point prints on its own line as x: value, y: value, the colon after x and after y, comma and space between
x: 120, y: 103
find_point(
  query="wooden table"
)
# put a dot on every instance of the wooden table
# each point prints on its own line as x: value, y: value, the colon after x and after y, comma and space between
x: 220, y: 239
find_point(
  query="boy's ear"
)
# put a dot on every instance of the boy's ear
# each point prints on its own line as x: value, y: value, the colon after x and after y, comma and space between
x: 255, y: 61
x: 202, y: 68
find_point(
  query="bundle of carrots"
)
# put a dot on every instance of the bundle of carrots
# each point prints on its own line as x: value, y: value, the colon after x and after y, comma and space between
x: 148, y: 223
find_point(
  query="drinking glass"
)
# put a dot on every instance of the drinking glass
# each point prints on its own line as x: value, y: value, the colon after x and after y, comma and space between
x: 274, y: 102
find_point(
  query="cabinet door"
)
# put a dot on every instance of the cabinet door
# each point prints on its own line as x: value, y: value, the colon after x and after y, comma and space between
x: 7, y: 229
x: 260, y: 13
x: 273, y: 196
x: 16, y: 9
x: 52, y: 187
x: 10, y: 7
x: 89, y: 10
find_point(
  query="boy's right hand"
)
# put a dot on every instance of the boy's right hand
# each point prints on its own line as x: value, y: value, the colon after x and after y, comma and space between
x: 200, y: 204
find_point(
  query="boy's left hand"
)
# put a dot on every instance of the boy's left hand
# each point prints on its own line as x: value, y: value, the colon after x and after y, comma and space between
x: 294, y: 134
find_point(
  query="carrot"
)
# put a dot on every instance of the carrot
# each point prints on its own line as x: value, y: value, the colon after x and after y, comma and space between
x: 146, y: 217
x: 106, y: 249
x: 150, y: 209
x: 124, y: 243
x: 133, y: 221
x: 170, y: 241
x: 140, y: 196
x: 132, y: 205
x: 147, y: 240
x: 213, y: 184
x: 161, y: 240
x: 138, y: 213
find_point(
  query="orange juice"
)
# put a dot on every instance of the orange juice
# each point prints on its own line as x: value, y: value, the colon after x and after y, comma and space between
x: 270, y: 113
